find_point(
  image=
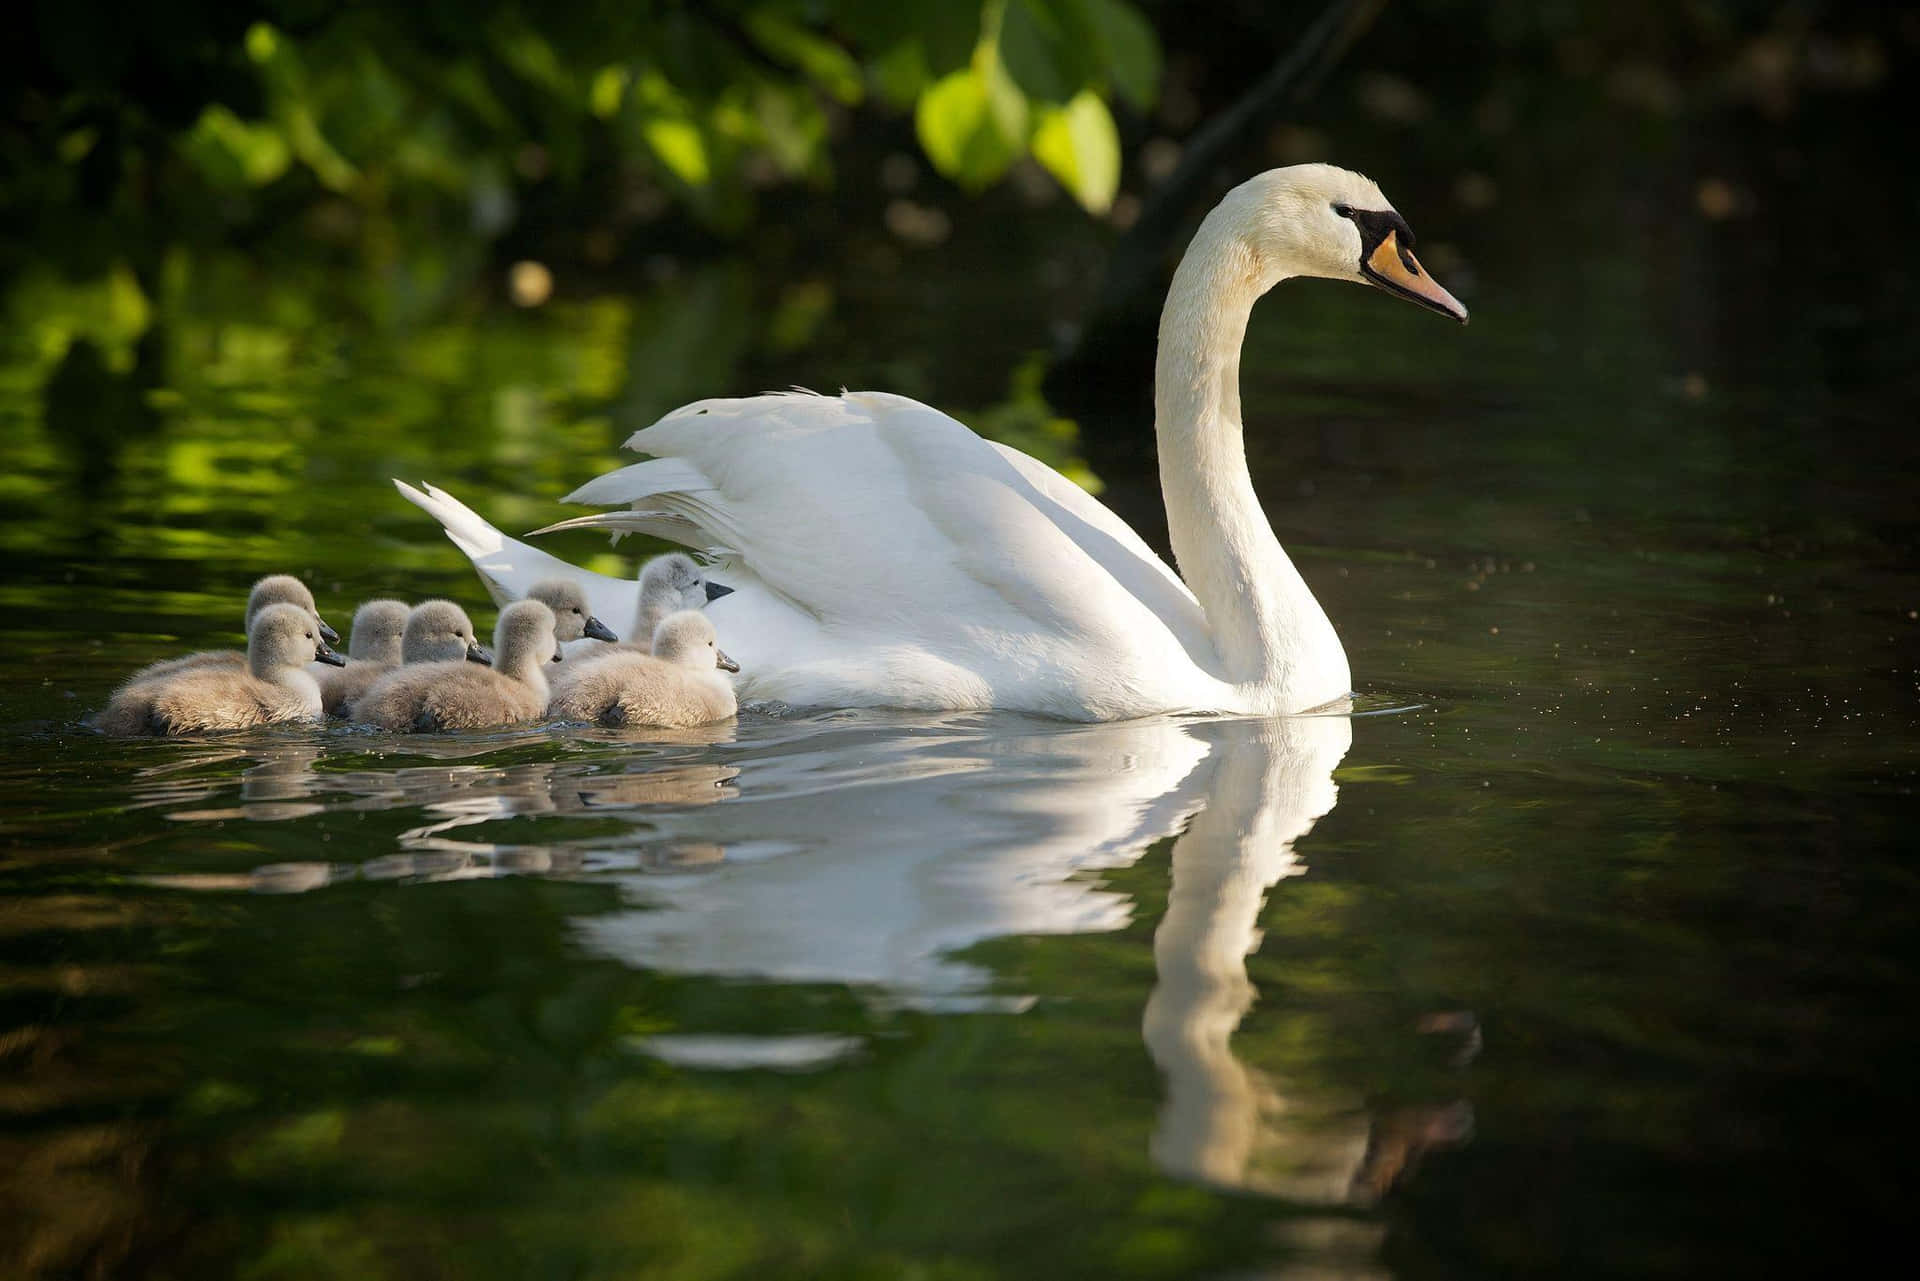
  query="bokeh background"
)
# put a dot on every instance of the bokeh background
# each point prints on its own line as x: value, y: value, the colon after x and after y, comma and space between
x: 1640, y: 540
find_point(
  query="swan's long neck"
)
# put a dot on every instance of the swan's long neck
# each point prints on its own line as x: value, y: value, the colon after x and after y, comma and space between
x: 1270, y: 632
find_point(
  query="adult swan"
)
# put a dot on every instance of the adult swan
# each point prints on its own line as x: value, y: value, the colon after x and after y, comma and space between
x: 884, y: 555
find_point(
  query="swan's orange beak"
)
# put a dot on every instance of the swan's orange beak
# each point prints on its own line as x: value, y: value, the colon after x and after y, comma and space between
x: 1397, y: 271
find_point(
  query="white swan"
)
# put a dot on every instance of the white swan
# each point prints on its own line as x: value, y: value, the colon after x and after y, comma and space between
x: 884, y: 555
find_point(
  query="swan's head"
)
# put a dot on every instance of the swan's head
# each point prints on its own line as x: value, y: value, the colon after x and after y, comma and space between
x: 285, y: 589
x: 525, y: 633
x: 674, y: 582
x: 379, y: 628
x: 687, y: 639
x: 572, y: 618
x: 1319, y: 220
x: 284, y: 635
x: 439, y: 631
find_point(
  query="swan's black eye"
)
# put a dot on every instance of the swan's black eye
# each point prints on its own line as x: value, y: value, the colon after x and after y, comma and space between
x: 1345, y: 211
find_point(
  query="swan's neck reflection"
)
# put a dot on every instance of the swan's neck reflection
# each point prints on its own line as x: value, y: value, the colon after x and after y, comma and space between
x: 1271, y: 783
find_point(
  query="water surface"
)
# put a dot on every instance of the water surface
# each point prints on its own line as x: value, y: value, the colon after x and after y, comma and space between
x: 1592, y: 957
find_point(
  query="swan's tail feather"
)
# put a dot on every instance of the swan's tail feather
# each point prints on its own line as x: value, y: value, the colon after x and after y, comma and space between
x: 464, y: 526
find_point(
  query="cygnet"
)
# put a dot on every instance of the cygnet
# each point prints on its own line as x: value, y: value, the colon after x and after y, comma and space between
x: 669, y: 584
x: 437, y: 631
x: 461, y: 696
x: 274, y: 686
x: 373, y: 650
x: 679, y: 684
x: 274, y: 589
x: 572, y: 619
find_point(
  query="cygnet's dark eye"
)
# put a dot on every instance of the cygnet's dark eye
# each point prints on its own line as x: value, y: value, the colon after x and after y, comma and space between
x: 1344, y: 210
x: 576, y: 610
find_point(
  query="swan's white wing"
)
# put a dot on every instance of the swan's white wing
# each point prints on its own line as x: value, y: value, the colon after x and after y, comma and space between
x: 511, y: 568
x: 893, y: 524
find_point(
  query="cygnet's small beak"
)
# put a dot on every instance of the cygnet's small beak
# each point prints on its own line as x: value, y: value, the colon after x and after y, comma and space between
x: 715, y: 591
x: 327, y: 634
x: 558, y: 655
x: 324, y: 653
x: 725, y: 664
x: 597, y: 630
x: 478, y: 653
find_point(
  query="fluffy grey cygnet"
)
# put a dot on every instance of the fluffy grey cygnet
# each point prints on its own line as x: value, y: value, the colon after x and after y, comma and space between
x: 435, y: 631
x: 669, y: 584
x: 274, y: 686
x: 678, y: 685
x: 274, y: 589
x: 434, y: 697
x: 373, y: 650
x: 572, y: 619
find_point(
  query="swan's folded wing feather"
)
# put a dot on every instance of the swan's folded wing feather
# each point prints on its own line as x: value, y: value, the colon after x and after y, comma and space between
x: 877, y: 512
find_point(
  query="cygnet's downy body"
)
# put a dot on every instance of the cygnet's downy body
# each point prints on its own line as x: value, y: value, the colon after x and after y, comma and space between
x: 436, y: 631
x: 275, y: 589
x: 373, y: 650
x: 463, y: 696
x: 273, y: 687
x: 681, y: 683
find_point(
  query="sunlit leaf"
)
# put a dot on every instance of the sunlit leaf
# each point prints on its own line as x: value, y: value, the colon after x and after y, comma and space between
x: 1080, y: 146
x: 608, y: 91
x: 679, y: 147
x: 973, y: 124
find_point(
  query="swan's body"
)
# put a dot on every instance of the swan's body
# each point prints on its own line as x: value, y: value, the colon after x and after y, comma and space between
x: 885, y: 555
x: 459, y: 695
x: 679, y: 684
x: 274, y: 589
x: 275, y: 685
x: 373, y: 650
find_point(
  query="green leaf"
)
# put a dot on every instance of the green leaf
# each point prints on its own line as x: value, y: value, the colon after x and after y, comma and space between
x: 899, y: 74
x: 1038, y: 53
x: 819, y: 59
x: 680, y: 148
x: 1080, y: 146
x: 1128, y: 47
x: 973, y: 124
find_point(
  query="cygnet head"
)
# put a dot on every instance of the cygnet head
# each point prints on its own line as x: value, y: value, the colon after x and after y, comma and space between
x: 687, y: 639
x: 524, y: 635
x: 677, y: 579
x: 439, y: 631
x: 572, y: 619
x: 379, y: 628
x: 285, y: 589
x: 284, y: 635
x: 1320, y: 220
x: 671, y: 583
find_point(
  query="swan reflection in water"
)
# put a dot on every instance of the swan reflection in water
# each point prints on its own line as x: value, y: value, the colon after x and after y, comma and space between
x: 871, y: 849
x: 871, y: 857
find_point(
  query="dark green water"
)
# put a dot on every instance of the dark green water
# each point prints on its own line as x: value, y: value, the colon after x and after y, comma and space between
x: 1598, y: 963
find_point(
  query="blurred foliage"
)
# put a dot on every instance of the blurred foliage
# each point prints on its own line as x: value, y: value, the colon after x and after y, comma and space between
x: 358, y: 119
